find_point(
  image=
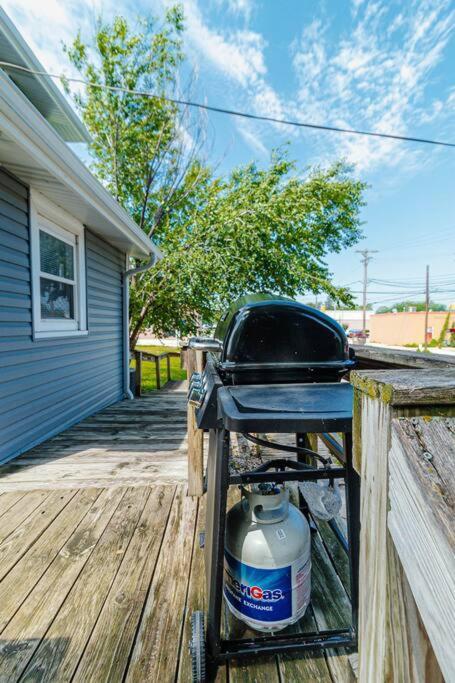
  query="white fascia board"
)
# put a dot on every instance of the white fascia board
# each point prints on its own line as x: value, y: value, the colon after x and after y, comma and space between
x: 22, y: 54
x: 24, y: 125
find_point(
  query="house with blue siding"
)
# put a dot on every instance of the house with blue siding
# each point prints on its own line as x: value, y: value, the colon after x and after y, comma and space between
x: 65, y: 249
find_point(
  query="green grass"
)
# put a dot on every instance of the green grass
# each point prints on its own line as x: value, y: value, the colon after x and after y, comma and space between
x: 148, y: 368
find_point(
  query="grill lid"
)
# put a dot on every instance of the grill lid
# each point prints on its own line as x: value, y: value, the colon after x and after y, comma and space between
x: 264, y: 331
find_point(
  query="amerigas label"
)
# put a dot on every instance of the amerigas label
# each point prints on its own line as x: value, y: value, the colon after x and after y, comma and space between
x: 265, y: 594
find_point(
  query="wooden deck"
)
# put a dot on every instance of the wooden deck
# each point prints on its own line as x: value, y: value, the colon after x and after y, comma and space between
x: 98, y: 585
x: 100, y: 565
x: 131, y: 443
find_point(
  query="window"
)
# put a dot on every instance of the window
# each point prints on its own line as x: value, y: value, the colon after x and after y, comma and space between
x: 58, y: 265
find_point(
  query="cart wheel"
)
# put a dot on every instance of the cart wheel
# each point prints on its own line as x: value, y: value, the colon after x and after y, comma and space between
x: 197, y: 647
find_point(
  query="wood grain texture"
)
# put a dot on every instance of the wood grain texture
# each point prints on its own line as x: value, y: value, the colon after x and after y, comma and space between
x: 21, y: 638
x: 18, y: 583
x: 373, y: 356
x: 105, y: 657
x: 195, y: 435
x: 19, y: 512
x: 393, y: 643
x: 16, y: 544
x: 58, y: 653
x: 7, y: 500
x: 155, y: 653
x: 407, y: 387
x: 127, y: 444
x: 421, y: 521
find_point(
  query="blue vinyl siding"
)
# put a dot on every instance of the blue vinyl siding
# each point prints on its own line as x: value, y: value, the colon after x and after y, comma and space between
x: 48, y: 385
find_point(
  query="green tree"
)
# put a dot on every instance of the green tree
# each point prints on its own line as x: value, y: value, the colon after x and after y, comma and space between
x: 139, y: 146
x: 256, y: 230
x: 406, y: 305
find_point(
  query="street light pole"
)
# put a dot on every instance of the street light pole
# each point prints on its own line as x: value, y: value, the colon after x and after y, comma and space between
x: 365, y: 260
x: 427, y: 306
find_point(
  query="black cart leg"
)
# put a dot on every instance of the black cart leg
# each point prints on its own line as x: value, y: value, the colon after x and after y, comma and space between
x: 353, y: 521
x: 217, y: 485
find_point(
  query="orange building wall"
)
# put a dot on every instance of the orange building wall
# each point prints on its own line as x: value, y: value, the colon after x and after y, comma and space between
x: 406, y: 328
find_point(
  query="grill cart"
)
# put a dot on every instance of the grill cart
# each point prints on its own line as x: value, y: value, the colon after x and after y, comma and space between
x: 273, y: 367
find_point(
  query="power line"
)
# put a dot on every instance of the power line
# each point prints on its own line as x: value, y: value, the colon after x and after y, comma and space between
x: 420, y: 240
x: 231, y: 112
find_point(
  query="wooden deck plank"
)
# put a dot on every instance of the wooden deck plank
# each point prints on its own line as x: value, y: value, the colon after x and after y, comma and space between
x: 80, y: 455
x: 24, y: 632
x: 304, y: 666
x: 58, y: 653
x: 196, y: 595
x: 9, y: 499
x: 95, y: 471
x: 18, y: 583
x: 97, y: 457
x: 258, y: 670
x: 19, y: 512
x: 155, y: 654
x: 195, y: 601
x: 337, y: 554
x: 128, y: 443
x: 20, y: 540
x: 331, y: 608
x: 106, y: 655
x: 163, y: 478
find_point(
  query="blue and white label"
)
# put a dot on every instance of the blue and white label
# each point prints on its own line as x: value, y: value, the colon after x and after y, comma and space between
x: 261, y: 594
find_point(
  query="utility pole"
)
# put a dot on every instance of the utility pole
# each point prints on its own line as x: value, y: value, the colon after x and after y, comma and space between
x: 365, y: 260
x: 427, y: 306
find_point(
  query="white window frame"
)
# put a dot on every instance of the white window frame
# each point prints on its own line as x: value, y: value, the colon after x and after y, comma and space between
x: 50, y: 218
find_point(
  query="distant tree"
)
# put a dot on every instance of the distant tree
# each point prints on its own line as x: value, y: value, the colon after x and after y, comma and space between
x: 406, y: 305
x: 444, y: 331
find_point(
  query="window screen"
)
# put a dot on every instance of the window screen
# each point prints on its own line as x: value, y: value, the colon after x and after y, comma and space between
x: 57, y: 278
x: 57, y: 300
x: 56, y: 256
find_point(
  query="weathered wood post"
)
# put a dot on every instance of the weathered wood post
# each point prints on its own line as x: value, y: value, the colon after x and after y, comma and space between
x: 195, y: 363
x: 138, y: 359
x: 168, y: 366
x: 157, y: 372
x: 396, y: 642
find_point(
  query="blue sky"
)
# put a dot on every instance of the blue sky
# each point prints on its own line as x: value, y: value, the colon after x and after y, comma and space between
x: 372, y: 64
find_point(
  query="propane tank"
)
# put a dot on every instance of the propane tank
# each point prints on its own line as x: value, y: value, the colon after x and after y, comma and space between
x: 267, y: 559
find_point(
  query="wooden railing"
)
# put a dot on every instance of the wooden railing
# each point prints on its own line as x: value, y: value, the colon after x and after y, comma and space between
x: 404, y: 452
x: 195, y: 362
x: 156, y: 358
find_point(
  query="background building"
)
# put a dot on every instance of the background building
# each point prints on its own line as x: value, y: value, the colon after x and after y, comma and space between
x: 408, y: 327
x: 351, y: 319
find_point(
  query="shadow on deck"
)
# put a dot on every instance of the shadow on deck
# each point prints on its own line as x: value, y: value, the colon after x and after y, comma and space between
x: 129, y: 443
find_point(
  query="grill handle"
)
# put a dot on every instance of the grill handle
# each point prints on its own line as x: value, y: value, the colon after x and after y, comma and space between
x: 205, y: 344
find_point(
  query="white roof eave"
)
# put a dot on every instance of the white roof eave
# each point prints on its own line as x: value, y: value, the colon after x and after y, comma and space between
x: 31, y: 148
x: 39, y: 89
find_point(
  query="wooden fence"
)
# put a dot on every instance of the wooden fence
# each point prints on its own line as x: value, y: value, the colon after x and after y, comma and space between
x: 156, y: 358
x: 404, y: 452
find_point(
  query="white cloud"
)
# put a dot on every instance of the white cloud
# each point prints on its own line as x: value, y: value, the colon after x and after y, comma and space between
x: 371, y: 80
x: 251, y: 137
x: 239, y: 8
x: 237, y: 54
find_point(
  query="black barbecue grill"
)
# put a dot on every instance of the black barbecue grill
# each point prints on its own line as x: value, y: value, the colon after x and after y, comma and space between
x: 273, y: 366
x: 265, y: 340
